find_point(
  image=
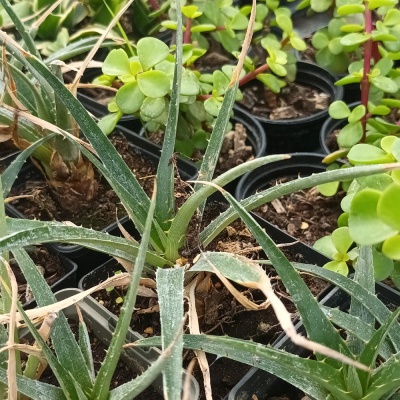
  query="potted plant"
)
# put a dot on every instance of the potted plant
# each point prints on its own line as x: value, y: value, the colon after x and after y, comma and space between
x: 203, y: 91
x: 368, y: 136
x: 165, y: 229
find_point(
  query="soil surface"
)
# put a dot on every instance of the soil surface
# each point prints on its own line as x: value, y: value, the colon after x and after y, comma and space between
x: 49, y: 266
x: 234, y: 150
x: 294, y: 101
x: 39, y: 202
x: 307, y: 215
x: 219, y: 312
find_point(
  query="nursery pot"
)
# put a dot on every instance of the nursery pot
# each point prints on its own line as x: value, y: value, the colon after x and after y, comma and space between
x: 284, y: 213
x: 68, y: 280
x: 85, y: 258
x: 327, y: 140
x: 301, y: 134
x: 297, y: 249
x: 261, y: 384
x: 103, y: 323
x: 257, y: 180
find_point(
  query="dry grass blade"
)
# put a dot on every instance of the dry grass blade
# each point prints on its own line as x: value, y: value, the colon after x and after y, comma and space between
x: 97, y: 45
x: 12, y: 367
x: 186, y: 383
x: 194, y: 328
x: 47, y: 125
x: 40, y: 313
x: 245, y: 46
x: 284, y: 318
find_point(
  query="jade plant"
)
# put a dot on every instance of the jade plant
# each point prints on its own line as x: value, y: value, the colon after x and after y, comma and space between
x: 339, y: 371
x: 370, y: 134
x: 144, y: 75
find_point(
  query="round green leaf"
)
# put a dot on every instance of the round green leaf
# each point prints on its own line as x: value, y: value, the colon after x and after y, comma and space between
x: 213, y: 106
x: 116, y: 63
x: 343, y: 220
x: 357, y: 114
x: 270, y: 81
x: 320, y: 39
x: 335, y: 47
x: 388, y: 206
x: 320, y: 6
x: 395, y: 150
x: 221, y: 82
x: 385, y: 84
x: 239, y: 22
x: 189, y: 84
x: 366, y: 227
x: 391, y: 247
x: 107, y: 124
x: 341, y: 239
x: 153, y: 108
x: 392, y: 18
x: 151, y: 51
x: 203, y: 28
x: 350, y: 135
x: 337, y: 266
x: 368, y: 154
x: 373, y: 4
x: 297, y: 42
x: 349, y: 9
x: 383, y: 266
x: 325, y: 246
x: 339, y: 110
x: 387, y: 143
x: 277, y: 69
x: 384, y: 65
x: 354, y: 38
x: 154, y: 83
x: 129, y: 98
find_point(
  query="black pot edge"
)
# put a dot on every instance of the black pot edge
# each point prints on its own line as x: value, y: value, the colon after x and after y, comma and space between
x: 103, y: 323
x: 241, y: 115
x: 259, y: 382
x: 311, y: 69
x: 66, y: 281
x: 296, y: 160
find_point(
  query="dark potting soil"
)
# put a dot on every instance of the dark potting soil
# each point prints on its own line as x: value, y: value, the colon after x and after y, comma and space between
x: 101, y: 212
x: 48, y: 264
x: 219, y: 312
x: 234, y: 150
x: 294, y: 101
x: 307, y: 215
x: 331, y: 140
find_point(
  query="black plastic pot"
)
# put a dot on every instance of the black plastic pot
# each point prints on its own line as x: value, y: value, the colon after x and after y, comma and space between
x: 261, y: 384
x: 260, y: 178
x: 301, y: 134
x: 256, y: 137
x: 85, y: 258
x: 66, y: 281
x: 300, y: 250
x: 328, y: 127
x: 103, y: 323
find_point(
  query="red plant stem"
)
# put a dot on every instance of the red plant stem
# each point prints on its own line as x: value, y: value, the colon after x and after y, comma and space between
x: 253, y: 74
x: 249, y: 76
x: 365, y: 85
x: 154, y: 5
x: 187, y: 36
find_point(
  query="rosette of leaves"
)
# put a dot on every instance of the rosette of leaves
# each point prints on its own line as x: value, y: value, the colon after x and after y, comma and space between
x: 146, y: 80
